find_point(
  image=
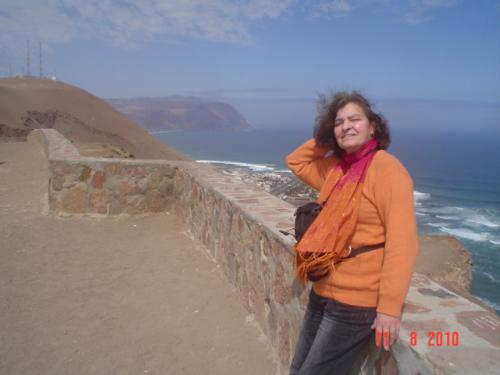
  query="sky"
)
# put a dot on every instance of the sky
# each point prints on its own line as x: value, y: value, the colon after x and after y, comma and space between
x: 260, y: 53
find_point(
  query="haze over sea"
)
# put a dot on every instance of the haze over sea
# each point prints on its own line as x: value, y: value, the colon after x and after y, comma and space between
x: 456, y: 176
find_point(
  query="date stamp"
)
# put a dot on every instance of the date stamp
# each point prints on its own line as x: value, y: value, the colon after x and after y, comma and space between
x: 436, y: 338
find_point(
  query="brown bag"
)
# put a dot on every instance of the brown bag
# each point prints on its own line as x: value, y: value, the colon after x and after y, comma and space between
x: 304, y: 217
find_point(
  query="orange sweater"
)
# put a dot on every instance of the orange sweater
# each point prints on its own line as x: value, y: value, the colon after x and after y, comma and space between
x: 378, y: 278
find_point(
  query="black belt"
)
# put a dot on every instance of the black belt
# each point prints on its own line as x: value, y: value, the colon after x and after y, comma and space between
x: 352, y: 254
x: 361, y: 250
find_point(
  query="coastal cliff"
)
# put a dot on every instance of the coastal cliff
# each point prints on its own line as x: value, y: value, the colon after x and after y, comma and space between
x: 446, y: 261
x: 180, y: 113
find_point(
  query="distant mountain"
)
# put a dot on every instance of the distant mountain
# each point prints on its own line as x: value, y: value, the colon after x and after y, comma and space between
x: 91, y: 123
x: 180, y: 113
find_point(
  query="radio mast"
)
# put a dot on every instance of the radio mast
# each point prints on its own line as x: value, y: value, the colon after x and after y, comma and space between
x: 28, y: 73
x: 41, y: 66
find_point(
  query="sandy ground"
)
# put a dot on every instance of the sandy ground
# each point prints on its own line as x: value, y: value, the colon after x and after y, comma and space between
x: 123, y: 295
x: 101, y: 150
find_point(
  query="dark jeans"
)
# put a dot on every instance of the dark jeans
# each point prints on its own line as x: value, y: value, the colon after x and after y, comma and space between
x: 331, y: 337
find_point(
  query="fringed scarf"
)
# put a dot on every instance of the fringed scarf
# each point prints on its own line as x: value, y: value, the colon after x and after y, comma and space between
x: 328, y: 238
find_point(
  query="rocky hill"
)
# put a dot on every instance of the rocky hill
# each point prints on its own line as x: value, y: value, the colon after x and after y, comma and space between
x: 92, y: 124
x: 180, y: 113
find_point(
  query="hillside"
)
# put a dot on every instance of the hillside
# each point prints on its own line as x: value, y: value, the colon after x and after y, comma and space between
x: 92, y: 124
x: 180, y: 113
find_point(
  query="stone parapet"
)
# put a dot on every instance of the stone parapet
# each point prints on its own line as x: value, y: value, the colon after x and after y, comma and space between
x: 240, y: 225
x: 85, y: 185
x: 110, y: 187
x: 54, y: 144
x: 442, y: 332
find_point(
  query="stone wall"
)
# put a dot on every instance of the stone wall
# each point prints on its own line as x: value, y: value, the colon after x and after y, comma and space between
x: 239, y: 225
x: 108, y: 187
x: 84, y: 185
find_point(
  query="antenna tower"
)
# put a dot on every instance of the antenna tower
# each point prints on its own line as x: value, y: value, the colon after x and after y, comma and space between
x: 41, y: 69
x: 28, y: 73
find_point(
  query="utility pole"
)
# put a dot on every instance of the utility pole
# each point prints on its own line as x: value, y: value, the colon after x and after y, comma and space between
x: 28, y: 73
x: 41, y: 70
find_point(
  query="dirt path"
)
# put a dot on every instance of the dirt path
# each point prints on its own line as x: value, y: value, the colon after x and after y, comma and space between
x: 124, y: 295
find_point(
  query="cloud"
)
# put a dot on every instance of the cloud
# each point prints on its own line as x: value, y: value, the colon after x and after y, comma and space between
x: 264, y: 8
x: 419, y: 10
x: 18, y: 21
x: 127, y: 22
x: 332, y: 7
x: 407, y: 11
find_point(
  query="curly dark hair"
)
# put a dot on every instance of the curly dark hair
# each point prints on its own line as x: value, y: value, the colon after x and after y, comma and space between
x: 327, y: 112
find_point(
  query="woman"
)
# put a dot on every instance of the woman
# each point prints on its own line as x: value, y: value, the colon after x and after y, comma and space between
x: 367, y: 199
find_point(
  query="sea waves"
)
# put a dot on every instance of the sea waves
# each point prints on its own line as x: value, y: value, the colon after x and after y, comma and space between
x: 476, y: 225
x: 419, y: 196
x: 466, y: 233
x: 251, y: 166
x: 479, y: 224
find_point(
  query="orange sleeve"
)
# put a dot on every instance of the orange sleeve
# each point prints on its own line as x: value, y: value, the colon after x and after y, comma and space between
x: 309, y: 164
x: 393, y: 192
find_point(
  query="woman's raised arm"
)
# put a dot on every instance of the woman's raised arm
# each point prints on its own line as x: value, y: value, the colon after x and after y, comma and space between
x: 309, y: 164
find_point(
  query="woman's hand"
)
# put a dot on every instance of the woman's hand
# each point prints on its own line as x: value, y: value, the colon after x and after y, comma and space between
x: 386, y: 328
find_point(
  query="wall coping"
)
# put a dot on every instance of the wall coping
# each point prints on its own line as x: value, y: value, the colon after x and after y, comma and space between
x: 54, y: 144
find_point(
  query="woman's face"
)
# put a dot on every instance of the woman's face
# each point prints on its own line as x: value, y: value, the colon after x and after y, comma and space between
x: 352, y: 128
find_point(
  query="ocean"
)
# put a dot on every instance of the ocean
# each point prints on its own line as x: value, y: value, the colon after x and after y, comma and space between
x: 456, y: 176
